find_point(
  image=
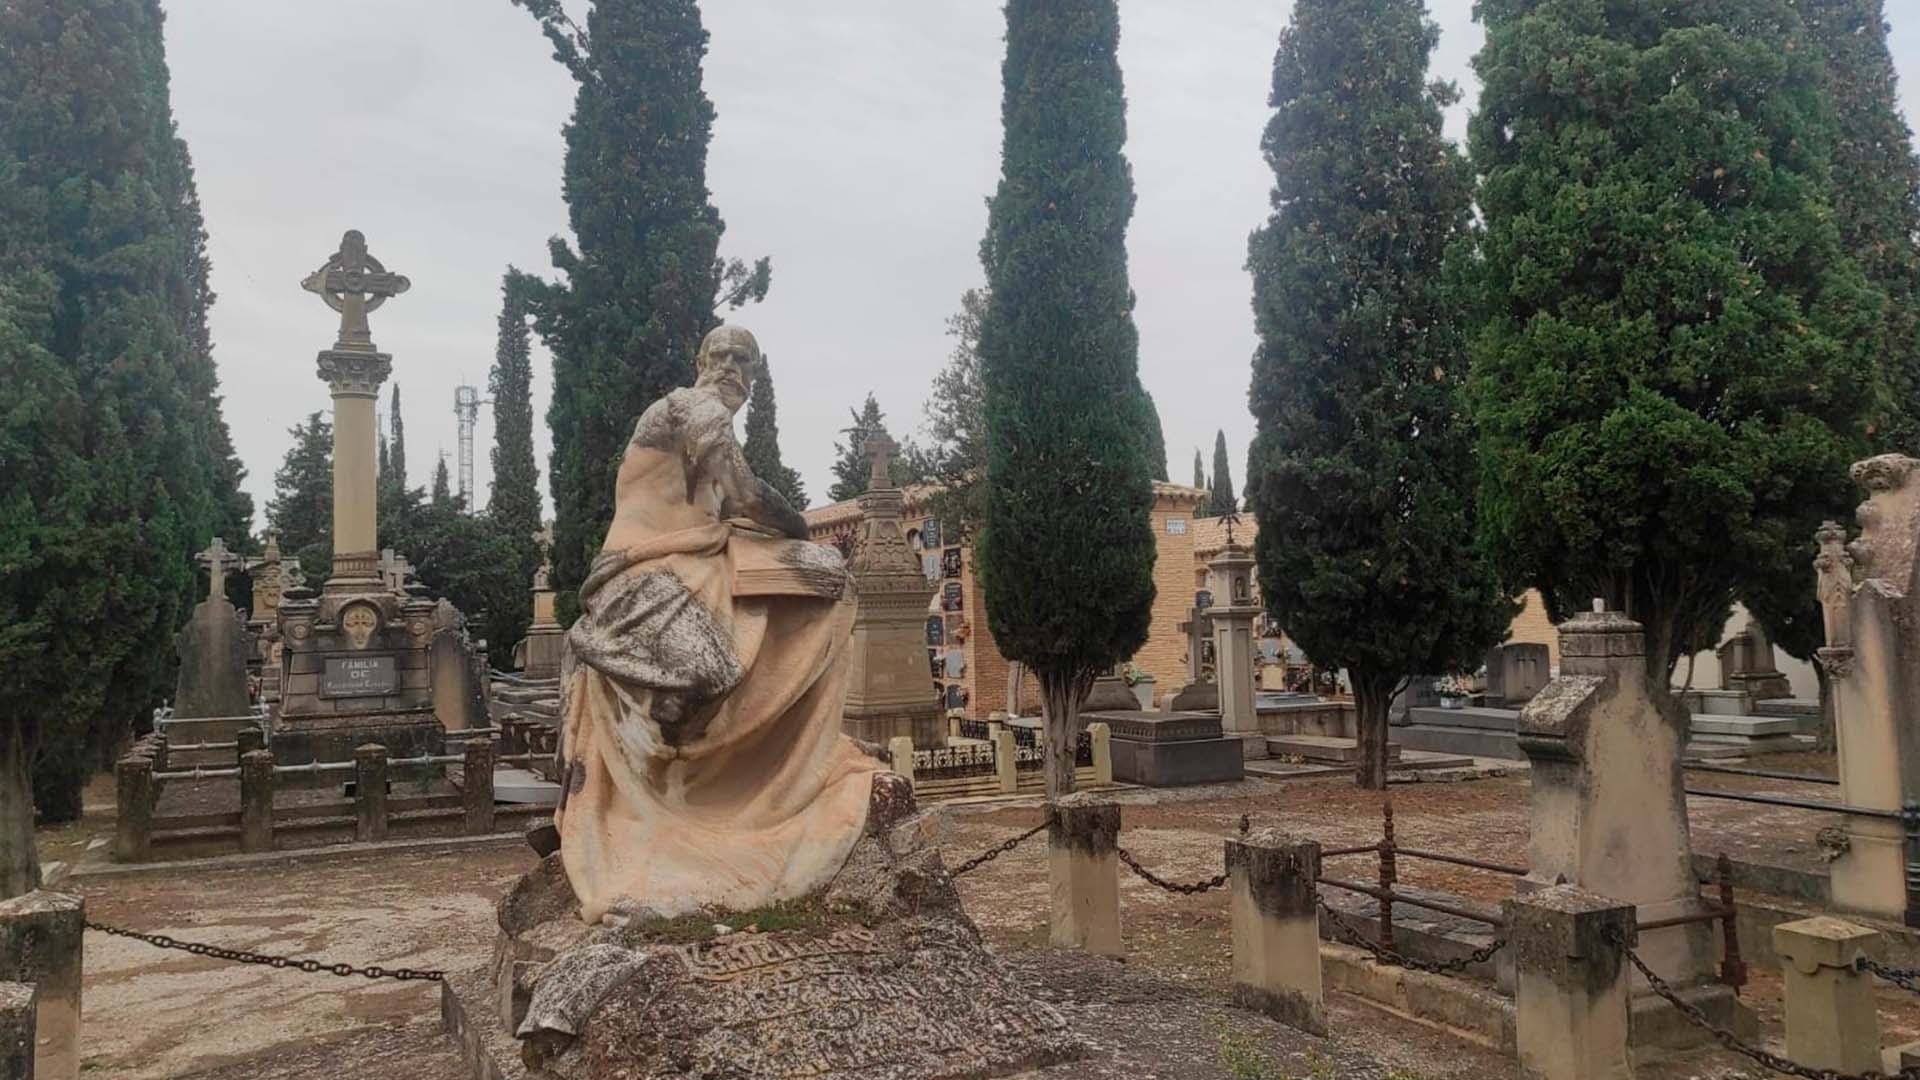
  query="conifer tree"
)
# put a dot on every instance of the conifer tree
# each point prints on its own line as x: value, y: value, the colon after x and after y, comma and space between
x: 442, y: 490
x: 1677, y: 358
x: 301, y: 509
x: 955, y: 424
x: 762, y: 448
x: 118, y: 466
x: 1361, y: 467
x: 514, y: 504
x: 1199, y: 470
x: 853, y: 470
x: 642, y: 277
x: 1223, y: 500
x: 1155, y: 435
x: 396, y: 443
x: 1066, y: 551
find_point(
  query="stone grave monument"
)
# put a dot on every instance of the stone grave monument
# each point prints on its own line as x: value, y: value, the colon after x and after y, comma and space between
x: 1516, y: 670
x: 538, y: 655
x: 889, y: 691
x: 1202, y: 693
x: 708, y: 788
x: 214, y: 647
x: 357, y: 654
x: 272, y: 575
x: 1233, y: 615
x: 1747, y: 664
x: 1870, y: 605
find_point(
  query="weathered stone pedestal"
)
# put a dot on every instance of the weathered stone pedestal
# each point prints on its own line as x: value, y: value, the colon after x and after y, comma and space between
x: 41, y: 944
x: 1571, y: 1015
x: 1083, y: 875
x: 1276, y: 928
x: 1833, y: 1021
x: 1170, y: 749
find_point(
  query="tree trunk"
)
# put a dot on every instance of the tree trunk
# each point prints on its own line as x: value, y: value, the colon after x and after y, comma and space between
x: 1060, y: 696
x: 1827, y: 739
x: 1371, y: 694
x: 19, y: 862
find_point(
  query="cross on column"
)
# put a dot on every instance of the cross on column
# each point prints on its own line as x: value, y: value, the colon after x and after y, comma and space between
x: 354, y: 283
x: 216, y: 559
x: 880, y: 449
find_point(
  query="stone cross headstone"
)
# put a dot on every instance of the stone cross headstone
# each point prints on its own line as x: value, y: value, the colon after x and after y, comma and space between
x: 880, y: 449
x: 217, y: 559
x: 214, y: 647
x: 355, y: 284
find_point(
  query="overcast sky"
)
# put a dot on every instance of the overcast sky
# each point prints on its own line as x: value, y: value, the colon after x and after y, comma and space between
x: 856, y: 143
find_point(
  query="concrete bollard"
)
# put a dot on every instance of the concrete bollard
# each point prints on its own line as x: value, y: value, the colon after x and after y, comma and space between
x: 247, y: 740
x: 256, y: 801
x: 900, y: 749
x: 1101, y: 735
x: 1276, y: 928
x: 953, y: 726
x: 1006, y: 766
x: 133, y: 824
x: 370, y: 792
x: 477, y: 795
x: 1571, y: 982
x: 41, y: 943
x: 1832, y: 1018
x: 1083, y: 872
x: 17, y: 1001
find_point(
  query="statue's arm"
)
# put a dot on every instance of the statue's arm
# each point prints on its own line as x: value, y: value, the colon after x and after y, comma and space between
x: 718, y: 457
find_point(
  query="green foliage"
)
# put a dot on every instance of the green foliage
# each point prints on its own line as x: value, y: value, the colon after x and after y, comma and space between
x: 1222, y: 500
x: 301, y: 509
x: 396, y: 471
x: 853, y: 470
x: 442, y: 491
x: 1066, y: 550
x: 762, y: 448
x: 1677, y: 357
x: 1361, y: 466
x: 514, y: 504
x: 955, y: 423
x: 115, y: 464
x: 640, y: 280
x: 1199, y: 470
x: 1155, y: 435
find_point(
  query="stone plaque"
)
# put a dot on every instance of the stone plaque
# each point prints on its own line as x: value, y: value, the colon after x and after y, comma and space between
x: 359, y: 676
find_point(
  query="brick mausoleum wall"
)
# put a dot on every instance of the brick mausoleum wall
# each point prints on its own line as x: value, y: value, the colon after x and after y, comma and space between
x: 1164, y: 656
x: 1532, y: 625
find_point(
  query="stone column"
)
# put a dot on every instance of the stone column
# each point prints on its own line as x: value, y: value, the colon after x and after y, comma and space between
x: 41, y: 943
x: 1832, y: 1018
x: 1101, y: 735
x: 133, y: 824
x: 370, y: 792
x: 17, y: 1003
x: 1276, y: 928
x: 900, y: 749
x: 1005, y: 769
x: 1608, y: 809
x: 477, y: 786
x: 248, y: 739
x: 1570, y: 984
x: 1233, y: 613
x: 1083, y: 871
x: 256, y: 801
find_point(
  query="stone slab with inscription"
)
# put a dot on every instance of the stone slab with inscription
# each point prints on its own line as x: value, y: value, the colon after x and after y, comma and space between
x: 358, y: 676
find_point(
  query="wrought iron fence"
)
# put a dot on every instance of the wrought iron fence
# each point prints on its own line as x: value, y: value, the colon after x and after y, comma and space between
x: 953, y: 763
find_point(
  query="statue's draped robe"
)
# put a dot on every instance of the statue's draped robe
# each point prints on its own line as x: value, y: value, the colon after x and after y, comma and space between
x: 701, y: 755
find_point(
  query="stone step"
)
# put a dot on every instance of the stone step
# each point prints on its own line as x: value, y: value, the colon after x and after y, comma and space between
x: 1708, y: 751
x: 1469, y: 717
x: 1422, y: 760
x: 1323, y: 748
x: 1787, y: 707
x: 1472, y: 741
x: 205, y: 729
x: 1749, y: 727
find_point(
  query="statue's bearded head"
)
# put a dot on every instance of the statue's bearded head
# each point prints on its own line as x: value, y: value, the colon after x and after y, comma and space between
x: 729, y: 361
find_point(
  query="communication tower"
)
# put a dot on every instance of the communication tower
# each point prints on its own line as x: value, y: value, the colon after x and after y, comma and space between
x: 466, y: 409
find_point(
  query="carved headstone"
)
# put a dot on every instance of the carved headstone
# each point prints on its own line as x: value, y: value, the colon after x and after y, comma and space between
x: 1516, y: 671
x: 889, y: 693
x: 214, y: 648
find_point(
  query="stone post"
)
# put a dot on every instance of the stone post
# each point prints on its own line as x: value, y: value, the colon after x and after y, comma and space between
x: 41, y: 943
x: 900, y: 749
x: 1006, y: 769
x: 477, y: 794
x: 133, y: 824
x: 248, y: 739
x: 1571, y: 985
x: 1832, y: 1022
x: 370, y: 792
x: 1276, y: 928
x: 160, y: 742
x: 1083, y: 872
x: 1608, y: 811
x: 17, y: 1003
x: 1230, y: 575
x: 256, y: 801
x: 1101, y: 735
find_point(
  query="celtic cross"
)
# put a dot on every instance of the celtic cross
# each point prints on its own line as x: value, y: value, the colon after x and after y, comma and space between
x: 354, y: 283
x: 216, y: 559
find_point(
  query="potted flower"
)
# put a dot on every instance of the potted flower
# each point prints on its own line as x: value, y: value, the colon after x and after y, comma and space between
x: 1453, y: 695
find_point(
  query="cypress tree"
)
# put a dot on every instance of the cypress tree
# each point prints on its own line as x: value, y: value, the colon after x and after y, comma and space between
x: 762, y: 448
x: 1678, y: 357
x: 1066, y: 551
x: 642, y: 277
x: 301, y: 509
x: 442, y: 491
x: 103, y: 291
x: 1199, y: 470
x: 1360, y: 469
x: 955, y: 423
x: 396, y: 443
x: 1222, y: 501
x: 1155, y: 435
x: 514, y: 502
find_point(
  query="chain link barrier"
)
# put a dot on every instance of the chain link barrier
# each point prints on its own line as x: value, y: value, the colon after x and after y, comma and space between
x: 1901, y: 977
x: 242, y: 956
x: 1731, y: 1041
x: 1151, y: 878
x: 996, y: 851
x: 1348, y: 934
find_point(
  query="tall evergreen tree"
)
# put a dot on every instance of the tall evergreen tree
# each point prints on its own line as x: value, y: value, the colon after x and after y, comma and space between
x: 762, y: 448
x: 1361, y: 464
x: 1199, y: 470
x: 1678, y: 357
x: 103, y: 300
x: 396, y: 443
x: 301, y: 509
x: 1155, y: 435
x: 514, y: 504
x: 442, y: 489
x: 1066, y: 552
x: 955, y: 424
x: 643, y: 275
x: 853, y: 470
x: 1223, y: 500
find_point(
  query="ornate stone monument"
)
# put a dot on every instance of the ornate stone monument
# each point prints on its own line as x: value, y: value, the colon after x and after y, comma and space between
x: 1234, y: 611
x: 272, y: 575
x: 214, y: 647
x: 356, y: 655
x: 1747, y: 663
x: 707, y: 786
x: 1871, y: 607
x: 539, y: 651
x: 889, y: 693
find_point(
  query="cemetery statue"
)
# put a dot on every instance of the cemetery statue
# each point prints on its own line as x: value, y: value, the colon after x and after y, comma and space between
x: 701, y: 754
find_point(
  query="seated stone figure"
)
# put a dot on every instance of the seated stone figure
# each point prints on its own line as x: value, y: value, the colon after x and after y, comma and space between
x: 701, y: 754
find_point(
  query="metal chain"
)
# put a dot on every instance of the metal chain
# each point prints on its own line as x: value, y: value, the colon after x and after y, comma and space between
x: 242, y: 956
x: 1731, y: 1041
x: 995, y: 851
x: 1151, y: 878
x: 1346, y: 932
x: 1900, y: 977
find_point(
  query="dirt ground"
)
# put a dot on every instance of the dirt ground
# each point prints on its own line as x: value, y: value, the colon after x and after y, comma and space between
x: 153, y: 1014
